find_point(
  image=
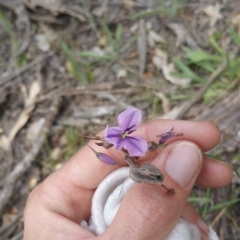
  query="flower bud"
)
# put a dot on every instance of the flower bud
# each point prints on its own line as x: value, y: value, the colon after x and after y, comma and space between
x: 104, y: 157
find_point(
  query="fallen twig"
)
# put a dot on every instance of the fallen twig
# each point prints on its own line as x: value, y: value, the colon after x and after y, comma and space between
x: 72, y: 92
x: 18, y: 236
x: 9, y: 4
x: 25, y: 163
x: 217, y: 218
x: 24, y: 26
x: 10, y: 226
x: 27, y: 67
x: 142, y: 47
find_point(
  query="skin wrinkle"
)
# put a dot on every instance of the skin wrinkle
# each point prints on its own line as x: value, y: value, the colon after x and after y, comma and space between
x: 43, y: 224
x: 140, y: 200
x: 135, y: 230
x: 132, y: 230
x: 147, y: 199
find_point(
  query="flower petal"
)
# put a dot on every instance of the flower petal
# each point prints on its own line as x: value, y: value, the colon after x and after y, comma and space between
x: 136, y: 146
x: 112, y: 135
x: 129, y: 119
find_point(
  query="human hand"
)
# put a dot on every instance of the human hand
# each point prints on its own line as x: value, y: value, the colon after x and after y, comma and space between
x: 57, y: 206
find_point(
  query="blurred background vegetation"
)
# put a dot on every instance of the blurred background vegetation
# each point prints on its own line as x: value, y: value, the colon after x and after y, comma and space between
x: 67, y: 67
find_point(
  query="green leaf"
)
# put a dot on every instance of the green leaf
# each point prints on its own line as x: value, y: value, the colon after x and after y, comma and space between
x: 200, y: 55
x: 186, y: 70
x: 9, y: 29
x: 91, y: 54
x: 128, y: 44
x: 107, y: 32
x: 206, y: 204
x: 216, y: 46
x: 199, y: 199
x: 77, y: 69
x: 224, y: 204
x: 118, y: 37
x: 145, y: 14
x: 235, y: 36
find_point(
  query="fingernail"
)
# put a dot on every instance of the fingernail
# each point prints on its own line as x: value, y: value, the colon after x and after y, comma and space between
x: 183, y: 163
x: 203, y: 227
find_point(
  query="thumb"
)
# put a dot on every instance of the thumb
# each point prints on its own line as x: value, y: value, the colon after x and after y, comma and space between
x: 147, y: 211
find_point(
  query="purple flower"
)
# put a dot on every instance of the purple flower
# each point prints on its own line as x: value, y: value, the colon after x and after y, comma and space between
x: 165, y: 136
x: 128, y: 121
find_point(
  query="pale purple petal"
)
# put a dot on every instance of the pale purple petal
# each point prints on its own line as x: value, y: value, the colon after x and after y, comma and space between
x: 135, y: 145
x: 130, y: 118
x: 112, y: 135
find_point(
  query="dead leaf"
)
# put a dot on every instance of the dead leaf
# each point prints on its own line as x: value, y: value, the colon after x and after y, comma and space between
x: 213, y: 11
x: 173, y: 114
x: 165, y: 103
x: 102, y: 41
x: 99, y: 12
x: 154, y: 38
x: 8, y: 221
x: 56, y: 7
x: 121, y: 73
x: 235, y: 20
x: 161, y: 62
x: 51, y: 35
x: 58, y: 166
x: 128, y: 4
x: 34, y: 130
x: 73, y: 122
x: 55, y: 154
x: 34, y: 91
x: 94, y: 112
x: 53, y: 6
x: 33, y: 182
x: 183, y: 35
x: 133, y: 29
x: 42, y: 42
